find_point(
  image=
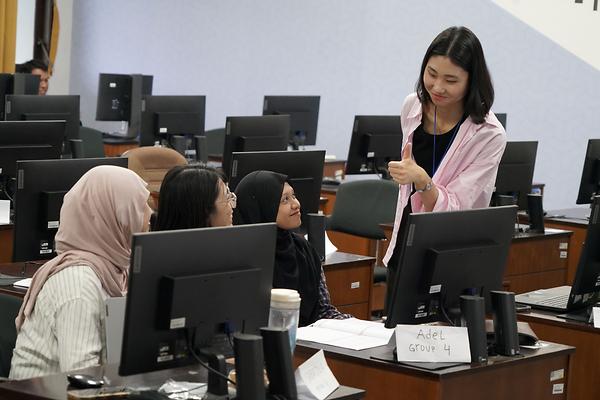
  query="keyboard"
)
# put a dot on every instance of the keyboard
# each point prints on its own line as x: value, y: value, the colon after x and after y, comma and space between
x: 556, y: 302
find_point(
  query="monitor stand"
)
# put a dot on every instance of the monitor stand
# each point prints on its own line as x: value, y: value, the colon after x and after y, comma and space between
x: 216, y: 385
x: 581, y: 315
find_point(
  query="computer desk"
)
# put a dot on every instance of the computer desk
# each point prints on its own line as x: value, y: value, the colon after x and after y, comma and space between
x: 55, y: 386
x: 523, y: 377
x: 585, y: 366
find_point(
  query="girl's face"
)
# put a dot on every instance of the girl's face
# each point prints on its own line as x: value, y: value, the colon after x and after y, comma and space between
x: 288, y: 216
x: 224, y: 205
x: 445, y: 81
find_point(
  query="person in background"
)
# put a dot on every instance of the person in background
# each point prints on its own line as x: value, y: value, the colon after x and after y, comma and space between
x: 453, y: 142
x: 60, y: 324
x: 265, y: 196
x: 194, y: 197
x: 36, y: 67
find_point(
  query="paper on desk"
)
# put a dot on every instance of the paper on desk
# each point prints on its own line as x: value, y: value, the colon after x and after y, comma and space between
x: 4, y: 211
x: 596, y: 316
x: 329, y: 247
x: 354, y: 334
x: 314, y: 379
x: 23, y: 283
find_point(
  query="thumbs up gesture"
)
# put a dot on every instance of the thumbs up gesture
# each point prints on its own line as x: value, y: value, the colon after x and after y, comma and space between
x: 406, y: 171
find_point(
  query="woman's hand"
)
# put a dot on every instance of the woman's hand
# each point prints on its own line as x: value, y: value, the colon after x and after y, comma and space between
x: 408, y: 171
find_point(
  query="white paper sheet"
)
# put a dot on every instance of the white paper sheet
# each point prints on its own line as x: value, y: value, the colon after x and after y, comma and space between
x: 350, y: 333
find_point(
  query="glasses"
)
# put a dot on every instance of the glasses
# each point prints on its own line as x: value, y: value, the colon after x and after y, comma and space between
x: 231, y: 198
x: 286, y: 199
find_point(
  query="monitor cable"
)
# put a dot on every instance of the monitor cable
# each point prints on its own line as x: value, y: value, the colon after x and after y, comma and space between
x: 189, y: 336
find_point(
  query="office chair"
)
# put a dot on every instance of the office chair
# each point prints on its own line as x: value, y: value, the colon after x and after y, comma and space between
x: 9, y: 308
x: 215, y: 142
x: 360, y: 207
x: 151, y: 164
x: 89, y: 144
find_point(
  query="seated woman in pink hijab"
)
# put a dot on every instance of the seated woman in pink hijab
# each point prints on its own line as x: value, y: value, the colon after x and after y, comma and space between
x: 60, y: 321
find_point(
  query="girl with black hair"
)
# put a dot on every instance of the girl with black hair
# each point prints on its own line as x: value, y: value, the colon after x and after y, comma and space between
x: 452, y: 142
x: 194, y: 197
x: 266, y: 196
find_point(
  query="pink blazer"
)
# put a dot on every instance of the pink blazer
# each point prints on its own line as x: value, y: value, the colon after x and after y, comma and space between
x: 465, y: 178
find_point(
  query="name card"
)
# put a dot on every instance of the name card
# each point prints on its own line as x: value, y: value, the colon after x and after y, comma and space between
x: 423, y: 343
x: 314, y: 379
x: 596, y: 316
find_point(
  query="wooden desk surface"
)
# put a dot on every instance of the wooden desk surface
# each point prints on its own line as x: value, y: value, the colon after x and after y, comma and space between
x: 18, y: 269
x: 583, y: 377
x: 55, y: 386
x: 515, y: 378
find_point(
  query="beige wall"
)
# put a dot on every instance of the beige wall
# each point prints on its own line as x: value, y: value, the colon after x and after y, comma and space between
x: 574, y: 26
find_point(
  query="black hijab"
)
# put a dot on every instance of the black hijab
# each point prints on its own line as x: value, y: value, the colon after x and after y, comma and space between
x: 297, y: 265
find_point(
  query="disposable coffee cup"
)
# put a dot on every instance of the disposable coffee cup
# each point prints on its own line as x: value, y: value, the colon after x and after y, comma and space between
x: 285, y: 312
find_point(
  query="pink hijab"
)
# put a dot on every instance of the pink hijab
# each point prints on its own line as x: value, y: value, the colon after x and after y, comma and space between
x: 99, y: 215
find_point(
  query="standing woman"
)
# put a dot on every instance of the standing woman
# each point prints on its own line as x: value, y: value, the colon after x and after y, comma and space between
x: 60, y: 324
x: 453, y: 143
x: 265, y: 196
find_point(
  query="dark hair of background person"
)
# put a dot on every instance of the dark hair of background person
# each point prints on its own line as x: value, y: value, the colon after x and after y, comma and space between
x: 30, y: 65
x: 464, y: 49
x: 187, y: 198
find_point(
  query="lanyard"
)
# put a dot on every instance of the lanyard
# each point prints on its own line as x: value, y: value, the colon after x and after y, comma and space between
x: 434, y: 167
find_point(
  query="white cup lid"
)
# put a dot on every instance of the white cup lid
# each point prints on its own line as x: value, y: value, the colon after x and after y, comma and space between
x: 285, y: 295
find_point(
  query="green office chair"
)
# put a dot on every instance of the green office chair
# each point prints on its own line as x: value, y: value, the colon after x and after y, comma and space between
x: 9, y: 308
x: 89, y: 145
x: 360, y: 206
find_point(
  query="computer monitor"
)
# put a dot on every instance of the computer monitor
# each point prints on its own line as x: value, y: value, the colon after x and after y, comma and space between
x: 120, y: 99
x: 585, y: 291
x: 181, y: 298
x: 165, y: 116
x: 502, y: 118
x: 303, y: 168
x: 42, y: 185
x: 439, y: 262
x: 304, y: 116
x: 590, y: 175
x: 32, y: 108
x: 266, y: 133
x: 376, y: 140
x: 17, y: 84
x: 26, y: 140
x: 515, y: 173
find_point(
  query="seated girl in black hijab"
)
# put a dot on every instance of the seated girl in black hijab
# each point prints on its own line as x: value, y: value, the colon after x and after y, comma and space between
x: 265, y: 196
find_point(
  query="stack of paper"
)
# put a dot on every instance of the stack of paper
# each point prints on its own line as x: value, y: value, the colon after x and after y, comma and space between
x: 350, y: 333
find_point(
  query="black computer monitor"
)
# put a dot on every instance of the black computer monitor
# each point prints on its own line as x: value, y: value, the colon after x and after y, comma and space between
x: 179, y: 299
x: 26, y: 140
x: 42, y: 185
x: 585, y: 291
x: 165, y: 116
x: 17, y: 84
x: 303, y: 168
x: 376, y: 140
x: 31, y: 108
x: 120, y: 99
x: 440, y: 261
x: 304, y: 116
x: 502, y: 118
x: 266, y: 133
x: 590, y: 175
x: 515, y: 173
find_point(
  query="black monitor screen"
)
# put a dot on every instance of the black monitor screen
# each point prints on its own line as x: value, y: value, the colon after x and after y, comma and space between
x: 164, y: 116
x: 303, y: 168
x: 181, y: 298
x: 26, y: 140
x: 304, y: 116
x: 376, y: 140
x: 439, y: 262
x: 31, y: 108
x: 586, y: 285
x: 502, y: 118
x: 590, y: 175
x: 40, y: 191
x: 266, y: 133
x: 515, y: 172
x: 17, y: 84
